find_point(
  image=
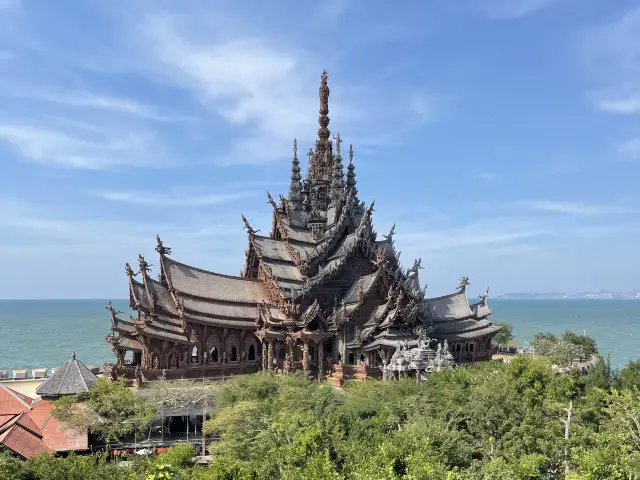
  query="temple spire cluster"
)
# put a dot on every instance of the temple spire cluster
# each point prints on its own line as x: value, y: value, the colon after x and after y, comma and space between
x: 319, y: 291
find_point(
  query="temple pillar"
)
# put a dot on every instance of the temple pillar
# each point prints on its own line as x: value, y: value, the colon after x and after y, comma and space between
x: 290, y: 345
x: 305, y: 355
x: 321, y: 360
x: 264, y: 354
x: 270, y: 355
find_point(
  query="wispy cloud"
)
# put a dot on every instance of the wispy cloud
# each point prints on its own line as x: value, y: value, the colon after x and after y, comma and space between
x: 629, y: 105
x: 613, y: 55
x: 76, y: 149
x: 174, y: 199
x: 630, y: 150
x: 86, y: 99
x: 6, y: 4
x: 573, y: 208
x: 510, y: 9
x: 489, y: 176
x: 476, y: 234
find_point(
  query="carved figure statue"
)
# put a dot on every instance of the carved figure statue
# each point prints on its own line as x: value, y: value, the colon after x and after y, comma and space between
x: 270, y: 200
x: 413, y: 271
x: 224, y: 357
x: 160, y: 248
x: 286, y: 364
x: 156, y: 362
x: 392, y: 232
x: 464, y: 282
x: 247, y: 227
x: 485, y: 294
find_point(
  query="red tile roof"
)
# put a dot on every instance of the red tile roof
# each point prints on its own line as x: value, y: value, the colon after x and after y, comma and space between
x: 22, y: 436
x: 55, y: 435
x: 27, y: 427
x: 12, y: 402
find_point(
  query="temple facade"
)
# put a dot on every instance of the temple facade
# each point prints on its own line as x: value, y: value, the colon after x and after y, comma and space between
x: 320, y: 293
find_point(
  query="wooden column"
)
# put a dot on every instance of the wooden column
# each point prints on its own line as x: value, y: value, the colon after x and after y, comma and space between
x: 321, y: 360
x: 270, y: 355
x: 265, y: 350
x: 305, y: 355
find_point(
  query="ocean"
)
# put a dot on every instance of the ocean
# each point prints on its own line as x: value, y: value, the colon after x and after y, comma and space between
x: 44, y: 333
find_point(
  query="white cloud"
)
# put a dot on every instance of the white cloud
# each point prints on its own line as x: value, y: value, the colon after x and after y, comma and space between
x: 630, y: 149
x: 83, y: 150
x: 510, y: 9
x: 248, y: 82
x: 573, y: 208
x: 489, y: 176
x: 625, y: 106
x: 7, y: 4
x: 91, y: 100
x: 613, y: 55
x: 174, y: 199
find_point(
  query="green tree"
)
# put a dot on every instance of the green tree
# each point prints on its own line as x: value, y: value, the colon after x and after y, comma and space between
x: 629, y: 376
x: 110, y: 410
x: 504, y: 335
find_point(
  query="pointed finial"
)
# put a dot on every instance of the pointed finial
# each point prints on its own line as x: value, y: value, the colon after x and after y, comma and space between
x: 350, y: 153
x: 270, y: 200
x: 128, y: 270
x: 73, y: 356
x: 338, y: 142
x: 295, y: 186
x: 247, y: 227
x: 160, y: 248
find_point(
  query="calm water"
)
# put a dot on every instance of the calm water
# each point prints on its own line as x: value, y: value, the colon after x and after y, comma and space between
x: 44, y: 333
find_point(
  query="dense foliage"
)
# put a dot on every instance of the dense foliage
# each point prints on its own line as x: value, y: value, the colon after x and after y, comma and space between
x: 491, y: 421
x: 567, y: 348
x: 110, y: 410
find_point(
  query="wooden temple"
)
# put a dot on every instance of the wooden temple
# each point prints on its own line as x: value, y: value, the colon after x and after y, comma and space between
x: 320, y: 293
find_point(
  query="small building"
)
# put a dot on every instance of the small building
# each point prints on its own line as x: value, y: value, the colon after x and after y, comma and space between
x: 72, y: 378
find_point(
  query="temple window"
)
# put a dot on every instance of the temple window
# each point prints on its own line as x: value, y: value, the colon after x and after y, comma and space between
x: 194, y: 355
x: 252, y: 353
x: 351, y: 333
x: 488, y: 347
x: 281, y: 353
x: 233, y: 355
x: 471, y: 347
x: 312, y: 353
x: 214, y: 355
x: 362, y: 358
x: 458, y: 347
x: 351, y: 359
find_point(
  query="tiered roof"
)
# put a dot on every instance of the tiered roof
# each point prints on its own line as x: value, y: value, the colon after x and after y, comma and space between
x: 322, y: 259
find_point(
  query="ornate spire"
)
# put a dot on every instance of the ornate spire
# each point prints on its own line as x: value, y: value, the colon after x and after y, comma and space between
x: 351, y: 171
x: 323, y: 119
x: 321, y: 160
x: 337, y: 183
x: 295, y: 187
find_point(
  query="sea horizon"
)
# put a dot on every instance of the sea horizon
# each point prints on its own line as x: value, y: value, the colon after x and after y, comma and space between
x: 43, y: 333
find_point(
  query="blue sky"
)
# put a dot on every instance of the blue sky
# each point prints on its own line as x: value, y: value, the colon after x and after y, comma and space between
x: 501, y: 136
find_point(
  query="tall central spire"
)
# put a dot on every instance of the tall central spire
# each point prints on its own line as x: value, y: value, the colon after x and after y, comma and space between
x: 321, y: 160
x: 323, y: 119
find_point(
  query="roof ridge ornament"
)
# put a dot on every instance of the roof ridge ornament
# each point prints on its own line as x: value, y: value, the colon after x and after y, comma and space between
x: 247, y: 227
x: 484, y: 295
x: 463, y: 283
x: 160, y: 248
x: 144, y: 265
